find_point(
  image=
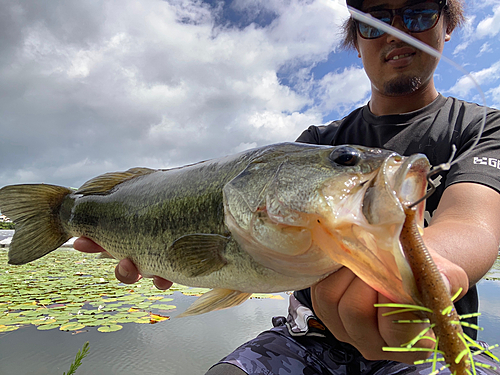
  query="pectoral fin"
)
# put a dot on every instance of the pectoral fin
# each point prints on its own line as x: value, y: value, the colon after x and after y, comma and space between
x: 199, y: 254
x: 216, y: 299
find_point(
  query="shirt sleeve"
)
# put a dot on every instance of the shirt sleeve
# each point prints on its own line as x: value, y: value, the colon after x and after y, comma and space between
x: 310, y: 135
x: 482, y: 163
x: 319, y: 135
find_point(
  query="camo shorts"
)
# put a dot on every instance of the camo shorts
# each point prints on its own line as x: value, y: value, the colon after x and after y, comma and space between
x: 298, y: 345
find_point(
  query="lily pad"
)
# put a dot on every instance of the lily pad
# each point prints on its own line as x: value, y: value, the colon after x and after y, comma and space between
x: 266, y: 296
x: 164, y: 307
x: 8, y: 328
x: 71, y: 327
x: 46, y: 327
x: 110, y: 328
x: 70, y: 290
x: 195, y: 291
x: 143, y: 320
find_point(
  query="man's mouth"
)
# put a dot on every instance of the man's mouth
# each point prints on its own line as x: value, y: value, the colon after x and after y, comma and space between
x: 397, y: 57
x: 399, y: 54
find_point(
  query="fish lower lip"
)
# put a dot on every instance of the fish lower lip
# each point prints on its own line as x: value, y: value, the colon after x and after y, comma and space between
x: 410, y: 178
x: 406, y: 178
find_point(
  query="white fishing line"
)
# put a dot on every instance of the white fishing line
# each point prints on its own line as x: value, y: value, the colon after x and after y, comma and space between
x: 368, y: 19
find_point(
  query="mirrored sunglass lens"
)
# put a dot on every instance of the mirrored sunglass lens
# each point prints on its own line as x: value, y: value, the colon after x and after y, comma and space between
x: 421, y: 17
x: 382, y: 15
x: 368, y: 31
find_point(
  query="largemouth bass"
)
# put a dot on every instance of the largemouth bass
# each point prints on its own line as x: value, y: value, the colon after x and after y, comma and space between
x: 271, y: 219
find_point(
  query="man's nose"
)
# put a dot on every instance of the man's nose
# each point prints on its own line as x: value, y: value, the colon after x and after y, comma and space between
x: 397, y: 22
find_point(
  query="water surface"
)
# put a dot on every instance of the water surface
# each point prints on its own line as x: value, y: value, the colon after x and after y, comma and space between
x: 178, y: 346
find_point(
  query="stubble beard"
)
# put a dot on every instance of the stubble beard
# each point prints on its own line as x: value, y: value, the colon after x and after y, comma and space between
x: 402, y: 86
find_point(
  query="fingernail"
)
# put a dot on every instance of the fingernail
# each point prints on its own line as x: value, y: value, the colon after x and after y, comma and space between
x: 122, y: 271
x: 446, y: 282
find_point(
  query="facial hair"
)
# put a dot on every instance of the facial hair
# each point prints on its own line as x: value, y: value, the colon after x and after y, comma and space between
x: 402, y: 86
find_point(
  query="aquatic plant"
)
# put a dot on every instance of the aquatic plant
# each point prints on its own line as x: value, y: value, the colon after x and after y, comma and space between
x: 78, y: 359
x: 73, y: 291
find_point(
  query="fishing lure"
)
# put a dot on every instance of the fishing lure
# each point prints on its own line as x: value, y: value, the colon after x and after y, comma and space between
x: 456, y: 348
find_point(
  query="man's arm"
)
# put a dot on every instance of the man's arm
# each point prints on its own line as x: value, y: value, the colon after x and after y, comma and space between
x: 463, y: 238
x: 466, y: 228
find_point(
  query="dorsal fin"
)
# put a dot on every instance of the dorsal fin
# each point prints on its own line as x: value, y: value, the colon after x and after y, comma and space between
x: 104, y: 183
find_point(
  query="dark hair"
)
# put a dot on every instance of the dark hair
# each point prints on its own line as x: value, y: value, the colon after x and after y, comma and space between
x: 453, y: 14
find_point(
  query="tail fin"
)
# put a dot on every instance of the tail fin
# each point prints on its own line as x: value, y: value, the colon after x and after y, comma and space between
x: 35, y: 212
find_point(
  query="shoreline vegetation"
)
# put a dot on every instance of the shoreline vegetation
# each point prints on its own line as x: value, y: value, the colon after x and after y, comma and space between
x: 7, y: 225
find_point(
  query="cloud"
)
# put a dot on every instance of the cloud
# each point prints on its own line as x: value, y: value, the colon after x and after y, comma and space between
x: 338, y: 90
x: 485, y: 48
x: 467, y: 33
x: 494, y: 94
x: 89, y: 87
x: 489, y: 26
x: 464, y: 85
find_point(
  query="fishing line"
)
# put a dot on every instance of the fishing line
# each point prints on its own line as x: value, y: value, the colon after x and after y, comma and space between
x: 368, y: 19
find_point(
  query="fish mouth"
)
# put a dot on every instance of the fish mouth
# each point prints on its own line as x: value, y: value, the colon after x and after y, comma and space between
x: 410, y: 181
x: 368, y: 241
x: 400, y: 181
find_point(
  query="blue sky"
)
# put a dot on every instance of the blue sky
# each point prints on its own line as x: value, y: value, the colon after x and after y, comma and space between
x: 89, y: 87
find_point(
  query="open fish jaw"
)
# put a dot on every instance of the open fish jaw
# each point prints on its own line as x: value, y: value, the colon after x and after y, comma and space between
x: 367, y: 225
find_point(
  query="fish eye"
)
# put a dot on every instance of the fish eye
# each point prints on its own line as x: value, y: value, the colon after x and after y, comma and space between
x: 346, y: 156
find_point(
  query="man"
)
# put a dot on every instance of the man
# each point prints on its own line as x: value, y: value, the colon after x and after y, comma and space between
x: 333, y: 327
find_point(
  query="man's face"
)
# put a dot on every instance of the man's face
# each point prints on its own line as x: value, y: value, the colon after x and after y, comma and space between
x: 394, y: 67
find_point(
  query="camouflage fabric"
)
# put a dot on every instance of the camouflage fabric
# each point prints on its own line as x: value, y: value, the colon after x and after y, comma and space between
x: 310, y: 349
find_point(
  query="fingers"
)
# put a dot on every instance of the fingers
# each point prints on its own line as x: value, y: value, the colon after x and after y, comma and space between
x: 86, y: 245
x: 359, y: 315
x: 453, y: 275
x: 161, y: 283
x: 326, y: 296
x: 345, y: 304
x: 396, y: 334
x: 125, y: 271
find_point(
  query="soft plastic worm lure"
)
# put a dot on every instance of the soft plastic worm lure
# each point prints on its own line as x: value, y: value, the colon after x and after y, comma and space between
x: 456, y: 348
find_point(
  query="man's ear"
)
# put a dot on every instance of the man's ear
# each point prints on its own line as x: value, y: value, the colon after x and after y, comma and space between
x: 447, y: 35
x: 357, y: 49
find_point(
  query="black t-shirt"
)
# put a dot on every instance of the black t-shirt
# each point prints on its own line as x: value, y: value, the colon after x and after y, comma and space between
x: 432, y: 131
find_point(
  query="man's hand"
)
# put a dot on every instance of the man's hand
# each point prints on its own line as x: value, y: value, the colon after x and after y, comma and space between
x: 344, y: 303
x: 125, y: 271
x: 462, y: 238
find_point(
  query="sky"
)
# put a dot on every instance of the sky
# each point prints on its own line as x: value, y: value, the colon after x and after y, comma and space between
x: 88, y: 87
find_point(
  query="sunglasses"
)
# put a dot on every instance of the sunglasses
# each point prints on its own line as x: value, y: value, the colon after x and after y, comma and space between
x: 416, y: 18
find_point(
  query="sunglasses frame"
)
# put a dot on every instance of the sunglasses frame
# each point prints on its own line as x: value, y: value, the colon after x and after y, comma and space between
x: 399, y: 12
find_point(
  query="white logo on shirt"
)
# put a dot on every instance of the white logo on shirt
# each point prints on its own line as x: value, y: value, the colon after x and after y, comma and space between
x: 491, y: 162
